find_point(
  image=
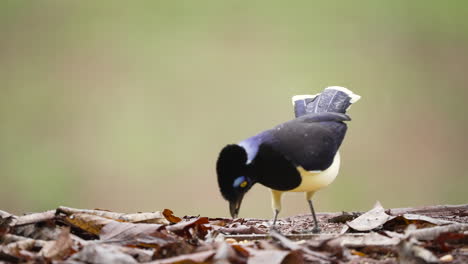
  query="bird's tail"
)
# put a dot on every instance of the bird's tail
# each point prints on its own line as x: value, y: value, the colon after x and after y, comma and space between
x: 332, y: 99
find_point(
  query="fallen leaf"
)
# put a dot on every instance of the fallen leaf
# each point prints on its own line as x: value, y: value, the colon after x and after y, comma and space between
x: 150, y: 218
x: 291, y: 245
x: 193, y: 258
x: 22, y: 249
x: 140, y: 254
x: 371, y: 219
x: 274, y: 257
x: 424, y: 218
x: 5, y: 224
x: 59, y: 249
x: 96, y: 253
x: 101, y: 213
x: 401, y: 222
x: 88, y: 222
x: 198, y: 225
x: 358, y: 253
x: 35, y: 218
x: 446, y: 258
x: 4, y: 214
x: 169, y: 215
x: 227, y: 253
x: 409, y: 252
x: 433, y: 232
x: 343, y: 217
x: 445, y: 241
x: 127, y: 231
x: 371, y: 239
x: 242, y: 229
x: 146, y: 236
x: 46, y: 230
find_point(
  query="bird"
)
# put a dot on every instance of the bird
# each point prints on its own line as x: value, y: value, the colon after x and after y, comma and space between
x: 300, y: 155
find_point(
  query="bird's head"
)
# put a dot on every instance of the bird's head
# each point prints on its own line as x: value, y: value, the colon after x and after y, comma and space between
x: 233, y: 176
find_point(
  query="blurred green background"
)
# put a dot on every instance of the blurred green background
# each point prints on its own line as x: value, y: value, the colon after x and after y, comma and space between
x: 125, y: 105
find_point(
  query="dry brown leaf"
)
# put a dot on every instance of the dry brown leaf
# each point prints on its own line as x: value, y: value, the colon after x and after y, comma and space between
x: 145, y: 236
x: 22, y: 249
x: 5, y: 224
x: 194, y: 258
x: 227, y: 253
x: 343, y: 217
x: 96, y: 253
x: 401, y: 222
x: 357, y: 253
x: 241, y: 229
x: 140, y: 254
x: 433, y: 232
x: 274, y: 257
x: 46, y: 230
x: 121, y: 231
x: 59, y: 249
x: 372, y: 239
x: 88, y: 222
x: 35, y: 218
x: 409, y: 252
x: 183, y: 228
x: 291, y: 245
x: 5, y: 214
x: 169, y: 215
x: 370, y: 220
x: 150, y: 218
x: 101, y: 213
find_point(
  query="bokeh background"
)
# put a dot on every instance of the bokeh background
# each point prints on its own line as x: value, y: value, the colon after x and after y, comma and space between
x: 126, y: 105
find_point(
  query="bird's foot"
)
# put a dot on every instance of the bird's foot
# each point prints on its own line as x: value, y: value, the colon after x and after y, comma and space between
x: 316, y: 230
x: 274, y: 229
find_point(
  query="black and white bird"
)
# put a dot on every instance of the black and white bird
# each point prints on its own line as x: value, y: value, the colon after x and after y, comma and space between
x: 300, y: 155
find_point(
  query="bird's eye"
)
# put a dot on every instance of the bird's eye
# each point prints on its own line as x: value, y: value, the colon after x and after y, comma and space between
x: 241, y: 182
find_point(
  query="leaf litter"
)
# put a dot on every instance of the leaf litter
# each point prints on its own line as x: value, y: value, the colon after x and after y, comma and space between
x: 434, y: 234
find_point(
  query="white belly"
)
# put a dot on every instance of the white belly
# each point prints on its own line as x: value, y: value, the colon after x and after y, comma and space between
x: 315, y: 180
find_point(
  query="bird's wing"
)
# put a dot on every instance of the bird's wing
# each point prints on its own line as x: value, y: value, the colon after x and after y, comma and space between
x: 310, y: 141
x: 274, y: 170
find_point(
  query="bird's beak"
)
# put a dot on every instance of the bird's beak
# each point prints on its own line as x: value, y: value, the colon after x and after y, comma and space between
x: 234, y: 206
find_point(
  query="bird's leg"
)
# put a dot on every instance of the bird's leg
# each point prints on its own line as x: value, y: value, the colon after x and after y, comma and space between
x: 274, y: 219
x: 316, y: 228
x: 276, y: 205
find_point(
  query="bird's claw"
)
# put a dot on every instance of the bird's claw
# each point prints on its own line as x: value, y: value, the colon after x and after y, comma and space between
x: 316, y: 230
x: 274, y: 229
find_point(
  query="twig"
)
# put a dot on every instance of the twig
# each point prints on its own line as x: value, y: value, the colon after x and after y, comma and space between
x: 446, y: 209
x: 293, y: 246
x: 102, y: 213
x: 434, y: 232
x: 4, y: 214
x: 35, y: 218
x: 9, y: 239
x: 294, y: 237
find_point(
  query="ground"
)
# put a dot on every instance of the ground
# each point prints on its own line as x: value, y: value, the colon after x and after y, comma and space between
x: 430, y: 234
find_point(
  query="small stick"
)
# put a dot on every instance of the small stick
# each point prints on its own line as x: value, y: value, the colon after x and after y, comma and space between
x: 12, y: 239
x: 35, y: 218
x: 434, y: 232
